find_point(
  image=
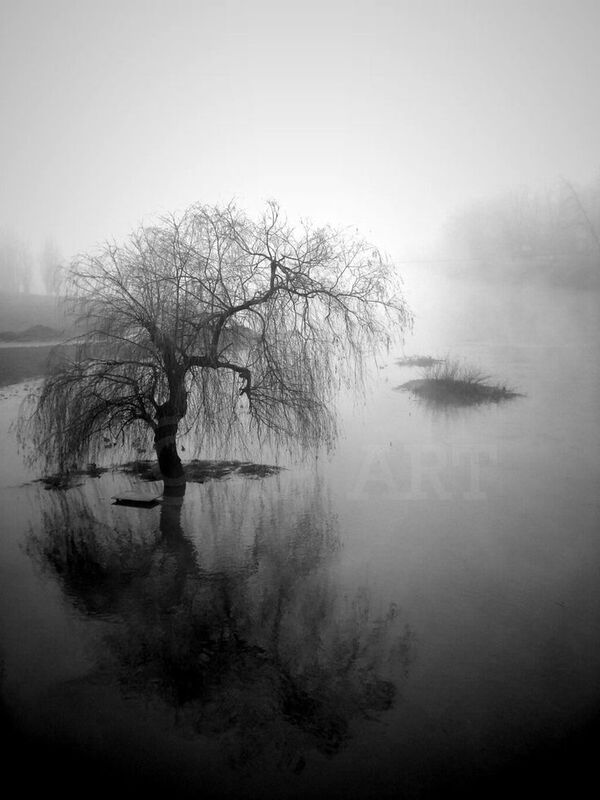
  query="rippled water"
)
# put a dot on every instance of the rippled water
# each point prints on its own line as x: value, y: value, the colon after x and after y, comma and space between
x: 420, y: 612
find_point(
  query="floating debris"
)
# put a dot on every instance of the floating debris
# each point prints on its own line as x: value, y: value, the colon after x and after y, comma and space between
x: 139, y: 499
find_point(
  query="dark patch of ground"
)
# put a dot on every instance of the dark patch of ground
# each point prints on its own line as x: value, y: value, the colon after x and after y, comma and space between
x: 21, y: 363
x: 20, y: 311
x: 36, y: 333
x: 196, y: 471
x: 199, y: 471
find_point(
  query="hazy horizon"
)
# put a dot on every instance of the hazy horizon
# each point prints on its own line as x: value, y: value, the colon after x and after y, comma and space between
x: 384, y: 116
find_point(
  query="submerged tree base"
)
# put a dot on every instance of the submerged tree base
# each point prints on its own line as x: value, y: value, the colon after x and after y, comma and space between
x: 199, y: 471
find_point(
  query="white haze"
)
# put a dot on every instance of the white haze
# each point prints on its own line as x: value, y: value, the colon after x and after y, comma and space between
x: 382, y: 115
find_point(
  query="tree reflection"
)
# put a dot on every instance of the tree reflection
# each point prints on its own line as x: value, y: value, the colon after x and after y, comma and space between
x: 228, y: 612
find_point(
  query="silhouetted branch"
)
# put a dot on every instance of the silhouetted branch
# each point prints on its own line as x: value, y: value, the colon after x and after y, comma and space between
x: 184, y: 310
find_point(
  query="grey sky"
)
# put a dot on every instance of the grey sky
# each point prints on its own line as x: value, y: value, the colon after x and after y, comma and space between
x: 385, y: 115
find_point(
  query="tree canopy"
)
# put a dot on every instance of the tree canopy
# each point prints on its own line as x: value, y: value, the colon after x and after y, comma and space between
x: 215, y: 323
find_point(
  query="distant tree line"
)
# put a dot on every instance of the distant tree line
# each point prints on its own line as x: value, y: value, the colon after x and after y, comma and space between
x: 18, y: 265
x: 552, y: 236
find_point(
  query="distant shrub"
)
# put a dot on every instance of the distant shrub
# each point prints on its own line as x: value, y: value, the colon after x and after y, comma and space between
x: 450, y: 383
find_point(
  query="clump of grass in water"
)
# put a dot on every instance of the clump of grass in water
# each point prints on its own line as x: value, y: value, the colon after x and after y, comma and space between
x: 451, y: 383
x: 417, y: 361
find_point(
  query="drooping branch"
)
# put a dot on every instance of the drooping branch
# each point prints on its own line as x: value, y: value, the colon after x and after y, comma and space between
x: 181, y: 313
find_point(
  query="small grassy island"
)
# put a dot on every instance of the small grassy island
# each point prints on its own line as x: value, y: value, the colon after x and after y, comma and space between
x: 448, y: 383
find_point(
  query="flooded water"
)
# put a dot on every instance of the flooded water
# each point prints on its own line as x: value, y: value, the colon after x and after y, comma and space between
x: 417, y: 614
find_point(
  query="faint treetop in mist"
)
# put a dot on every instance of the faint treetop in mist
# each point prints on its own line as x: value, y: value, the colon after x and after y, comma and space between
x: 553, y: 235
x: 49, y: 264
x: 16, y: 264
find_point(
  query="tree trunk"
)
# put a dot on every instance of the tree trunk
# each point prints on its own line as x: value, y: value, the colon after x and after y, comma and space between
x: 169, y: 463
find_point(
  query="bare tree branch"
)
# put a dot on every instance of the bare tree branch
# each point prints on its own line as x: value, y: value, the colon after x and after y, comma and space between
x: 186, y: 309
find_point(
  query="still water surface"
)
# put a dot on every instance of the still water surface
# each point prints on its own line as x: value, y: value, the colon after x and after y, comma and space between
x: 418, y: 613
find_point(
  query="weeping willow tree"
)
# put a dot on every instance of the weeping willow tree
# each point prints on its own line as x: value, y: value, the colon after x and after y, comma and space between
x: 216, y: 324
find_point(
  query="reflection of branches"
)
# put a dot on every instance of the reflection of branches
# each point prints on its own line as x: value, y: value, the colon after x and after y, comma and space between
x: 94, y: 561
x: 247, y: 636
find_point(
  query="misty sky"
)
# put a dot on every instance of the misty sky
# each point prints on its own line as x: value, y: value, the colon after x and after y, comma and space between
x: 380, y: 114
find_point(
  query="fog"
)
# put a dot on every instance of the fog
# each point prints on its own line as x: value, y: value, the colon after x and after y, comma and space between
x: 416, y: 613
x: 389, y: 117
